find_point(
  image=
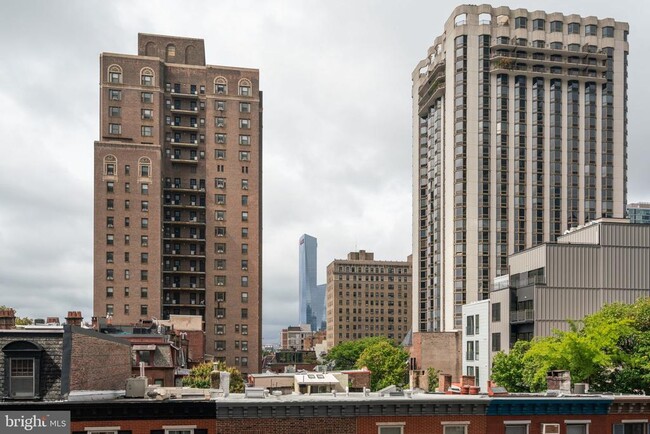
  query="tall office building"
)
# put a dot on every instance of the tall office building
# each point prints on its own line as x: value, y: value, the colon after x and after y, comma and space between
x: 519, y: 133
x: 366, y: 297
x: 178, y: 194
x: 312, y: 296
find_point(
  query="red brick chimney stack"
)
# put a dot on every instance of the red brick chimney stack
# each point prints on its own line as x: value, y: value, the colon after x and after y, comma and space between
x: 7, y: 319
x: 74, y: 318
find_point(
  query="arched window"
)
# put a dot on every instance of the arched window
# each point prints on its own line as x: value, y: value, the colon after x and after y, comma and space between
x: 22, y: 369
x: 170, y: 52
x: 144, y: 167
x: 110, y: 165
x: 114, y: 74
x: 220, y: 86
x: 146, y: 77
x: 245, y: 87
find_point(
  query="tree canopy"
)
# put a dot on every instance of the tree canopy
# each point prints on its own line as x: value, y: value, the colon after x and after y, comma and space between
x: 387, y: 362
x: 346, y: 354
x: 609, y: 349
x: 201, y: 377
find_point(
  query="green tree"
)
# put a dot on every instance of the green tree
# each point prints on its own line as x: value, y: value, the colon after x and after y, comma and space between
x: 387, y: 362
x: 433, y: 380
x: 508, y: 369
x: 201, y: 377
x: 19, y: 321
x: 346, y: 354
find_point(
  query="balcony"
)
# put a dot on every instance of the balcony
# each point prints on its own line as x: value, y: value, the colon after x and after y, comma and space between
x: 181, y: 188
x: 522, y: 316
x: 178, y: 127
x: 192, y: 221
x: 177, y: 303
x: 191, y: 237
x: 187, y: 110
x: 531, y: 48
x: 183, y: 287
x: 179, y: 159
x: 187, y: 254
x: 180, y: 205
x: 181, y: 270
x: 191, y: 95
x: 192, y: 144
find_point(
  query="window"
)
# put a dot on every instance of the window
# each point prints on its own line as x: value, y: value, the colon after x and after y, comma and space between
x: 219, y: 215
x: 220, y: 182
x: 144, y: 223
x: 496, y: 312
x: 127, y: 170
x: 244, y: 249
x: 516, y: 428
x: 109, y: 309
x: 220, y: 154
x: 219, y: 329
x: 244, y: 281
x: 114, y: 95
x: 127, y: 274
x: 220, y: 122
x: 115, y: 74
x: 521, y: 22
x: 220, y: 138
x: 220, y: 199
x: 144, y: 240
x: 146, y: 131
x: 127, y: 240
x: 244, y: 140
x: 244, y: 361
x: 556, y: 26
x: 109, y: 257
x: 244, y: 329
x: 244, y: 107
x: 244, y: 216
x: 244, y: 156
x: 109, y: 292
x: 591, y: 30
x: 455, y: 429
x: 144, y: 292
x: 146, y: 77
x: 608, y: 32
x: 144, y: 275
x: 127, y: 222
x: 244, y: 313
x: 144, y: 258
x: 171, y: 51
x: 220, y: 105
x: 220, y: 248
x: 220, y: 312
x: 539, y: 24
x: 110, y: 204
x: 496, y: 342
x: 114, y: 111
x: 244, y: 297
x: 146, y: 97
x: 109, y: 222
x: 144, y: 309
x: 220, y: 86
x: 245, y: 90
x: 126, y: 309
x: 469, y: 330
x: 144, y: 206
x: 220, y: 345
x: 146, y: 114
x: 630, y: 428
x: 244, y: 184
x: 245, y: 123
x: 244, y: 232
x: 144, y: 189
x: 109, y: 239
x: 573, y: 28
x: 244, y: 345
x: 244, y: 200
x: 114, y: 129
x: 576, y: 428
x: 390, y: 429
x: 244, y: 264
x: 126, y: 291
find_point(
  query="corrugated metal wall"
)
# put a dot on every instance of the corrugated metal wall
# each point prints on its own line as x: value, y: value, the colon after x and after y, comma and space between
x: 625, y: 268
x: 586, y: 235
x: 527, y: 260
x: 622, y: 234
x: 572, y: 266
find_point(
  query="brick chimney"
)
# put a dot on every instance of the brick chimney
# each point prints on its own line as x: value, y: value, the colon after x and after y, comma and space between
x: 7, y: 319
x: 74, y: 318
x: 52, y: 320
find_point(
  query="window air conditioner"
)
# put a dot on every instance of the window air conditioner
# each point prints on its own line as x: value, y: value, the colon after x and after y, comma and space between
x: 193, y: 235
x: 174, y: 285
x: 173, y: 140
x: 550, y: 428
x: 173, y: 219
x: 194, y: 187
x: 173, y: 235
x: 193, y: 219
x: 192, y: 269
x: 193, y: 203
x: 244, y: 268
x: 219, y: 268
x: 175, y: 269
x: 193, y: 285
x: 219, y: 283
x: 173, y: 252
x: 192, y: 252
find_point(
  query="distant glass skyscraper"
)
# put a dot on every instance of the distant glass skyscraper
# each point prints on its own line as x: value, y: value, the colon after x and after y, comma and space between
x: 312, y: 298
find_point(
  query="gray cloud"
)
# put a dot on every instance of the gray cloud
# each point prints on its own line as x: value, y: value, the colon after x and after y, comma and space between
x: 337, y: 143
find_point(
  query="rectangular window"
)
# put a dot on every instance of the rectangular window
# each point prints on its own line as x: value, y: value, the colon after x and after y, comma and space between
x: 469, y: 330
x: 219, y: 329
x: 147, y: 97
x: 244, y: 249
x: 126, y: 309
x: 144, y: 240
x: 244, y: 156
x: 110, y: 204
x: 244, y: 297
x: 146, y: 114
x: 109, y: 257
x: 109, y: 309
x: 244, y: 281
x: 496, y: 312
x: 146, y: 131
x: 516, y: 429
x: 244, y: 361
x: 244, y: 232
x: 245, y: 90
x: 496, y: 341
x: 245, y: 124
x: 244, y: 216
x: 144, y: 257
x: 244, y: 139
x: 220, y: 182
x: 220, y: 154
x: 630, y: 428
x: 220, y: 312
x: 144, y: 309
x: 220, y: 345
x: 390, y: 429
x: 114, y: 129
x: 244, y: 107
x: 114, y: 111
x: 114, y: 95
x: 244, y: 184
x: 144, y: 206
x: 244, y: 313
x: 455, y: 429
x: 220, y: 138
x: 146, y: 80
x: 144, y: 292
x: 220, y: 105
x: 144, y: 223
x: 110, y: 239
x: 144, y: 188
x: 109, y: 292
x: 578, y: 428
x: 110, y: 187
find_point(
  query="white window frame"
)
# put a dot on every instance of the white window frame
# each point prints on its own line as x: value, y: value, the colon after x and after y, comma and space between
x: 381, y: 425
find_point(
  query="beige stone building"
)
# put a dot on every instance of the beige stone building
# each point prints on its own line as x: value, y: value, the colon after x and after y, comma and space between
x: 519, y: 133
x: 178, y: 186
x: 366, y: 297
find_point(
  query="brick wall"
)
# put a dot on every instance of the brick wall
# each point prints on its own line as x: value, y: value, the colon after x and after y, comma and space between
x: 145, y: 426
x: 98, y: 362
x: 426, y: 350
x: 423, y: 424
x: 310, y: 425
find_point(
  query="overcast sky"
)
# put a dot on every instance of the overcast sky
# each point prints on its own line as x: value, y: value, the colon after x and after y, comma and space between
x: 337, y: 116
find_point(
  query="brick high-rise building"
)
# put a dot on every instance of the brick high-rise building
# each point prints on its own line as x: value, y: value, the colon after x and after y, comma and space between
x: 178, y: 194
x: 519, y: 133
x: 366, y: 297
